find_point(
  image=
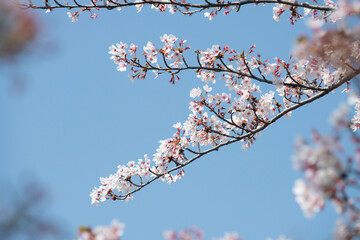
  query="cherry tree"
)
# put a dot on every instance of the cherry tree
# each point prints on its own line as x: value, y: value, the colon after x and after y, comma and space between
x: 318, y: 65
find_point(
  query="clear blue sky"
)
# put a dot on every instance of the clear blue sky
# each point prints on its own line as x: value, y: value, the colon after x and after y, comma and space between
x: 79, y: 118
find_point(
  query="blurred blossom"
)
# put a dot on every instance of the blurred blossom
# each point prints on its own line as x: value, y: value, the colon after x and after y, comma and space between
x: 230, y: 236
x: 186, y: 234
x: 116, y: 230
x: 18, y: 29
x: 339, y: 115
x: 330, y: 174
x: 113, y: 232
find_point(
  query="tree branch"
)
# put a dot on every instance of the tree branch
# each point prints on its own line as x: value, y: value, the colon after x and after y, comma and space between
x: 248, y: 135
x: 187, y: 8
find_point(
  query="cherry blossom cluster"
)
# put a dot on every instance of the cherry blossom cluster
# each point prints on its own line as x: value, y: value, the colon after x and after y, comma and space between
x: 170, y: 151
x: 346, y: 231
x: 355, y: 121
x: 354, y: 100
x: 113, y: 232
x: 338, y: 48
x: 344, y: 9
x: 192, y: 233
x: 170, y: 51
x: 216, y: 62
x: 323, y: 173
x: 335, y: 12
x: 330, y: 173
x: 210, y: 9
x: 116, y: 230
x: 329, y: 178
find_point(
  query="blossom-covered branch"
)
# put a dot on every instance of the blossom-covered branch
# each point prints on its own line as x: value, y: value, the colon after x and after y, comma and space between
x: 217, y: 62
x: 211, y: 8
x: 232, y: 120
x: 171, y: 4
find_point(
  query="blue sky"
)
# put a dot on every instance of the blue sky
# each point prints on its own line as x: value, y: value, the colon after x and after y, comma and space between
x: 78, y: 118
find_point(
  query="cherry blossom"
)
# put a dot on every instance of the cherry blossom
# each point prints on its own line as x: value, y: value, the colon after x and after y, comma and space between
x: 355, y: 121
x: 113, y: 232
x: 323, y: 173
x: 74, y: 16
x: 342, y: 231
x: 310, y: 199
x: 196, y: 92
x: 331, y: 173
x: 119, y: 54
x: 150, y: 52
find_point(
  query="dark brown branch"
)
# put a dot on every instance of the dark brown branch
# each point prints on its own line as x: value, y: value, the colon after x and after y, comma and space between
x: 226, y: 69
x: 186, y: 6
